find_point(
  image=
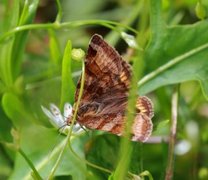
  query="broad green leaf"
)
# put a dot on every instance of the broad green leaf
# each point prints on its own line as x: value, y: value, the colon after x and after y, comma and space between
x: 185, y: 44
x: 102, y: 150
x: 42, y: 147
x: 16, y: 110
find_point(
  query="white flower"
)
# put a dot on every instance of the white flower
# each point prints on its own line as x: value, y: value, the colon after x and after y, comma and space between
x: 59, y: 121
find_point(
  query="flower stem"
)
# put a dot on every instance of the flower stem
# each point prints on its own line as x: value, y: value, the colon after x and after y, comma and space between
x: 58, y: 25
x: 174, y: 114
x: 36, y: 175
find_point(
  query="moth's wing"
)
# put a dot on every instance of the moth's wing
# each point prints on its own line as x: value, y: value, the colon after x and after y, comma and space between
x: 111, y: 117
x: 142, y: 125
x: 141, y: 128
x: 104, y: 99
x: 106, y: 116
x: 145, y: 106
x: 106, y: 73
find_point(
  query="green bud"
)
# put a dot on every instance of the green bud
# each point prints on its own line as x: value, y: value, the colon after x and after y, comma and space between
x: 200, y: 10
x: 16, y: 138
x: 78, y: 54
x: 203, y: 173
x: 130, y: 40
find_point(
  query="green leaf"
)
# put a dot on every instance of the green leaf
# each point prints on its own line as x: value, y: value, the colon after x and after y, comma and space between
x: 11, y: 20
x: 42, y: 147
x: 100, y: 147
x: 68, y: 87
x: 11, y: 51
x: 185, y: 49
x: 18, y: 47
x: 55, y: 51
x: 200, y: 10
x: 5, y: 166
x: 162, y: 128
x: 11, y: 16
x: 5, y: 126
x: 15, y: 110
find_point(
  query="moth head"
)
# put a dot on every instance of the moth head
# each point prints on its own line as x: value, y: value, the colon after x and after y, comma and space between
x: 61, y: 121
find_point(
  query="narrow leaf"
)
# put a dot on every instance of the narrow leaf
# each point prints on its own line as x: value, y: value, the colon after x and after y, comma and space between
x: 68, y: 87
x: 55, y: 51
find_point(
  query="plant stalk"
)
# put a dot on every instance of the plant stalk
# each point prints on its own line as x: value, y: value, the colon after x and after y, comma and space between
x: 173, y: 131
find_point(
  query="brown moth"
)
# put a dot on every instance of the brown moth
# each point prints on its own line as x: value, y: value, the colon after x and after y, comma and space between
x: 105, y: 94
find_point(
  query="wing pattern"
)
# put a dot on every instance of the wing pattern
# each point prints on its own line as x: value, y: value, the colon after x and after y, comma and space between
x: 104, y: 99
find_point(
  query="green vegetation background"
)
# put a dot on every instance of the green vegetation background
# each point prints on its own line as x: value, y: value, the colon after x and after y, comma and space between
x: 170, y: 64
